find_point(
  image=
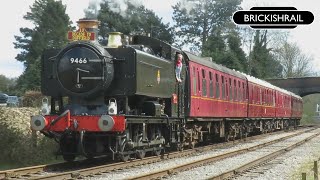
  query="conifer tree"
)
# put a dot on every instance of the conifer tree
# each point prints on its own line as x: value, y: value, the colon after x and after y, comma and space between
x: 51, y: 24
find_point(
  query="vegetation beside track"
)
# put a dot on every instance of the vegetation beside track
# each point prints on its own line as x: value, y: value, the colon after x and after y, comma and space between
x: 310, y: 116
x: 19, y: 146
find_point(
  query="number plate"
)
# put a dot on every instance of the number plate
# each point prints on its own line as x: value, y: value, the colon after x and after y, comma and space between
x: 78, y: 60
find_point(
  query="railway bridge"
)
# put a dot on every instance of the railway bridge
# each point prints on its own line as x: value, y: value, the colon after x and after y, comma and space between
x: 300, y: 86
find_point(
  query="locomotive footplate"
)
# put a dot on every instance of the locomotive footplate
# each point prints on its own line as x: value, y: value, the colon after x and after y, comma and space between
x: 151, y: 119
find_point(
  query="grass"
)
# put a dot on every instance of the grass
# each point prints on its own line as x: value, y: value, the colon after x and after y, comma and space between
x: 306, y: 167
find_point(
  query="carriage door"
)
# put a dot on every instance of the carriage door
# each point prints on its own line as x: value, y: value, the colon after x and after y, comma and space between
x: 180, y: 88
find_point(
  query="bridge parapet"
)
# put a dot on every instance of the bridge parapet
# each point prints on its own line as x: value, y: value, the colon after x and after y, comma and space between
x: 301, y: 86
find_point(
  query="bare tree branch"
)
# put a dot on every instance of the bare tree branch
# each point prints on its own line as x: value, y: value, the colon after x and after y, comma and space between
x: 294, y: 62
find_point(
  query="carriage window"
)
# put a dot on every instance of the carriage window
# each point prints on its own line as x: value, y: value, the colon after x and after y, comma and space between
x: 194, y: 81
x: 198, y: 81
x: 217, y: 86
x: 267, y: 97
x: 211, y: 85
x: 223, y: 87
x: 270, y: 97
x: 244, y: 96
x: 230, y: 89
x: 204, y: 83
x: 239, y: 91
x: 252, y: 95
x: 256, y: 94
x: 235, y: 90
x: 261, y: 93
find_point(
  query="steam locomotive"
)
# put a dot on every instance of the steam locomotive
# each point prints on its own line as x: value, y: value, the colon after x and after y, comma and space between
x: 123, y: 100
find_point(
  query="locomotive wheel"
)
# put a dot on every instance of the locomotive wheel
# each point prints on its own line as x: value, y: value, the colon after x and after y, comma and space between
x: 124, y: 157
x: 244, y: 135
x: 69, y: 157
x: 178, y: 147
x: 141, y: 154
x: 227, y: 137
x: 192, y: 145
x: 124, y: 148
x: 156, y: 151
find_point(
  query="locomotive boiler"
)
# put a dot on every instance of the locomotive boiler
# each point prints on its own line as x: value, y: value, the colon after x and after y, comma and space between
x: 123, y: 99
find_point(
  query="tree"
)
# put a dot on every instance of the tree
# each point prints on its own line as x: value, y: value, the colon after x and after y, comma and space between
x: 7, y: 85
x: 196, y: 20
x: 51, y: 26
x: 226, y: 50
x: 215, y: 47
x: 293, y: 61
x: 4, y: 83
x: 235, y: 51
x: 131, y: 19
x: 262, y: 63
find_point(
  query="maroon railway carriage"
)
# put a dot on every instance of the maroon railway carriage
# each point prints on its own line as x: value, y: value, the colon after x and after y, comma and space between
x: 216, y: 91
x: 261, y: 100
x: 296, y: 106
x: 283, y: 103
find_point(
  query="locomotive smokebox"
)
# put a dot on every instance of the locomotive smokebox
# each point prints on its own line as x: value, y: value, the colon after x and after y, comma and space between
x: 82, y: 69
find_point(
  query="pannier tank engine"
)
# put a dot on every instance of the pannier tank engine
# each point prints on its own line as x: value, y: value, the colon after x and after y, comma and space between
x: 107, y: 100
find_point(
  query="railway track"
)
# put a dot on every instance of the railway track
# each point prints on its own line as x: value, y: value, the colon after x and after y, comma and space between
x: 261, y: 160
x: 217, y: 168
x: 92, y: 168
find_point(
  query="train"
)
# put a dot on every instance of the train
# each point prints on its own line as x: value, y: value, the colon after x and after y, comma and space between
x: 123, y: 99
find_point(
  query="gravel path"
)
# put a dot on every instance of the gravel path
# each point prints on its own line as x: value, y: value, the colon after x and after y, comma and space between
x: 130, y: 172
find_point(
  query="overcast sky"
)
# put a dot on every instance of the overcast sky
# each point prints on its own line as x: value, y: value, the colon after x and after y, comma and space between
x: 14, y: 10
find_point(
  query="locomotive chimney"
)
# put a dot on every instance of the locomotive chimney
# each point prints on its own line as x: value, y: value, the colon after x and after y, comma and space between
x: 90, y: 25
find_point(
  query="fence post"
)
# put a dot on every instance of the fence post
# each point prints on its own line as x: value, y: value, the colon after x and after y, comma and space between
x: 304, y: 176
x: 315, y: 169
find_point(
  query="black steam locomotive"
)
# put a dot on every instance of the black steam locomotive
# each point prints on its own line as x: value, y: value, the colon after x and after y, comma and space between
x: 114, y: 99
